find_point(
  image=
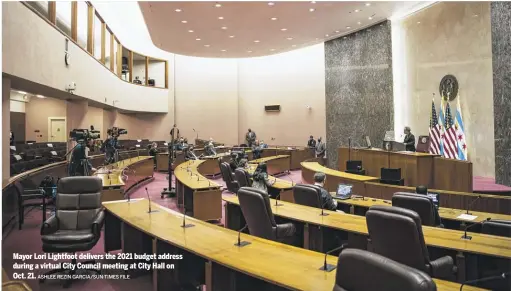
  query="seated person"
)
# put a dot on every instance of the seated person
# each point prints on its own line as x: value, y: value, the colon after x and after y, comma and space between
x: 326, y: 199
x: 263, y: 145
x: 189, y: 154
x: 137, y: 81
x: 209, y: 149
x: 243, y: 163
x: 311, y: 143
x: 256, y: 150
x: 180, y: 144
x: 260, y: 178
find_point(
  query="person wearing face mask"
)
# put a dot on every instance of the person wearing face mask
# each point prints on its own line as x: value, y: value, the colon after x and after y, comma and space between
x: 250, y: 137
x: 320, y: 148
x: 260, y: 178
x: 311, y: 143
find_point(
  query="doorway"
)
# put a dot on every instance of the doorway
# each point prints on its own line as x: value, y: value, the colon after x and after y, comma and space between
x: 57, y: 129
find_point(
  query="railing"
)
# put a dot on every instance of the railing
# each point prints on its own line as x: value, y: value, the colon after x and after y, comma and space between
x: 82, y: 24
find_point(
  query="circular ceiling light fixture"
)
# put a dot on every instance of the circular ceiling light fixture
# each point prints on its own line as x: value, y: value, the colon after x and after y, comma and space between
x: 218, y: 5
x: 178, y: 10
x: 184, y: 21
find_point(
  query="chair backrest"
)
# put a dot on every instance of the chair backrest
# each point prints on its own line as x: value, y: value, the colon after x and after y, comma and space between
x: 419, y: 203
x: 308, y: 195
x: 423, y: 144
x: 353, y: 165
x: 497, y: 227
x: 78, y: 201
x: 255, y: 206
x: 225, y: 169
x: 396, y: 233
x: 379, y: 271
x: 243, y: 177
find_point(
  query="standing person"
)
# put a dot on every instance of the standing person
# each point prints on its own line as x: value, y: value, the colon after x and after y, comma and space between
x: 260, y: 178
x: 153, y: 151
x: 311, y: 143
x: 11, y: 138
x: 109, y: 147
x: 320, y: 149
x: 250, y: 137
x: 409, y: 140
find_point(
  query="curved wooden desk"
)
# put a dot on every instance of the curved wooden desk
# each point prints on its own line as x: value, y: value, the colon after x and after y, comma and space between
x: 296, y: 154
x: 136, y: 171
x: 280, y: 187
x: 356, y: 227
x: 210, y: 167
x: 333, y: 177
x: 276, y: 164
x: 210, y: 256
x: 201, y: 198
x: 162, y: 159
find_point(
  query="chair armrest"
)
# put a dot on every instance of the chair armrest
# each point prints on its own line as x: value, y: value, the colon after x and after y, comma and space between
x: 97, y: 223
x: 50, y: 226
x: 443, y: 267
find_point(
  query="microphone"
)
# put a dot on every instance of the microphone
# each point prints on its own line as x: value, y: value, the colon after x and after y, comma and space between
x: 323, y: 208
x: 149, y: 198
x: 472, y: 203
x: 465, y: 236
x: 277, y: 201
x: 486, y: 279
x: 349, y: 148
x: 185, y: 225
x: 327, y: 267
x: 242, y: 243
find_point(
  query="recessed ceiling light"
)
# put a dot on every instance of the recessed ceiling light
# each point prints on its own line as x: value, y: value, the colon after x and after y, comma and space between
x: 190, y: 30
x: 197, y: 39
x: 249, y: 51
x: 313, y: 2
x: 370, y: 18
x: 40, y: 96
x: 220, y: 17
x: 273, y: 18
x: 356, y: 10
x: 368, y: 4
x: 348, y: 27
x: 256, y: 40
x: 231, y: 36
x: 289, y: 38
x: 218, y: 5
x: 178, y: 10
x: 272, y: 50
x: 359, y: 23
x: 206, y: 45
x: 224, y: 50
x: 271, y: 3
x: 475, y: 15
x: 184, y: 21
x: 418, y: 22
x: 283, y: 29
x: 312, y: 9
x: 336, y: 31
x: 224, y: 27
x: 326, y: 35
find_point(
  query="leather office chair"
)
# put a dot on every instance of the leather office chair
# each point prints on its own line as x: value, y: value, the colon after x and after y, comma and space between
x: 255, y: 206
x: 497, y: 227
x: 420, y: 204
x: 308, y: 195
x: 423, y: 144
x: 396, y: 233
x: 243, y: 177
x: 380, y: 273
x: 79, y: 217
x: 355, y: 167
x: 232, y: 185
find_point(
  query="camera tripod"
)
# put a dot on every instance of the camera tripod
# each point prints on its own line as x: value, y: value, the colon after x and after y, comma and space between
x: 170, y: 191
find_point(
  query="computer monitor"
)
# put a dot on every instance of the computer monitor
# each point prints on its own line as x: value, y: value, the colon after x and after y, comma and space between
x: 393, y: 174
x: 344, y: 191
x: 353, y: 165
x: 435, y: 198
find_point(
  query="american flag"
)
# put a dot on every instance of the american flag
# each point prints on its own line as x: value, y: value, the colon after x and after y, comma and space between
x: 449, y: 136
x: 434, y: 131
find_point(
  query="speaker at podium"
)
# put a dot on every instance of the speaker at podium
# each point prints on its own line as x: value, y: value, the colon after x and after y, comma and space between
x: 390, y: 144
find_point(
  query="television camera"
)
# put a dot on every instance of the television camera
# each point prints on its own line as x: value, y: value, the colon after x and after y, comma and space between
x: 83, y: 134
x: 116, y: 131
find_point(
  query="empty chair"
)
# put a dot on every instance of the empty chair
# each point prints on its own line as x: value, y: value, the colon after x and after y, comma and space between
x: 355, y: 167
x: 308, y: 195
x: 242, y: 177
x: 497, y: 227
x: 232, y: 185
x: 31, y: 197
x: 255, y: 206
x: 379, y: 273
x: 420, y: 204
x: 396, y: 233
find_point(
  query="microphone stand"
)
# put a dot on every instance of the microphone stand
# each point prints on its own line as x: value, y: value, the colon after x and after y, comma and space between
x: 322, y: 209
x: 242, y: 243
x: 465, y: 236
x: 472, y: 203
x: 149, y: 198
x: 185, y: 225
x: 491, y: 278
x: 349, y: 149
x: 328, y: 267
x: 277, y: 201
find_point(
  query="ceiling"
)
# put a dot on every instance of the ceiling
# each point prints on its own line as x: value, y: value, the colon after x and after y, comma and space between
x: 248, y: 29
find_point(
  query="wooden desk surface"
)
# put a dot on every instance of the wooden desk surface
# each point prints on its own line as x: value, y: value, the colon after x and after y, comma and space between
x: 282, y: 265
x: 279, y: 183
x: 416, y: 154
x: 112, y: 174
x: 188, y: 174
x: 262, y: 160
x: 315, y: 166
x: 445, y: 213
x: 444, y: 238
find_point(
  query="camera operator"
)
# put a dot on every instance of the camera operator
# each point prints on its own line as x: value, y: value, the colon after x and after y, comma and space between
x: 110, y: 146
x: 79, y: 164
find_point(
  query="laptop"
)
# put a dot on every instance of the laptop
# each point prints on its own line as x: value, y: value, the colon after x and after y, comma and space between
x: 344, y: 191
x: 434, y: 197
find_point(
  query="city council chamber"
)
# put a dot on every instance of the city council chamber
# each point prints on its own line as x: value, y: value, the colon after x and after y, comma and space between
x: 256, y: 145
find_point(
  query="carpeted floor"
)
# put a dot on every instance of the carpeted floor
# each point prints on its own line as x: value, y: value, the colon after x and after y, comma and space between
x: 28, y: 241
